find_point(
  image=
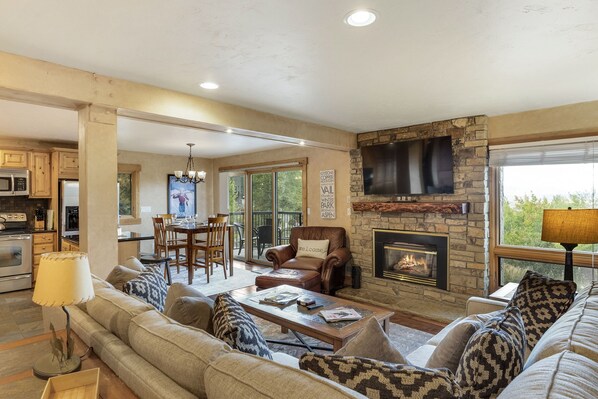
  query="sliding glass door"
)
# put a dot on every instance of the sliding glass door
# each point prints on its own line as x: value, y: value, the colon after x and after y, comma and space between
x: 277, y: 205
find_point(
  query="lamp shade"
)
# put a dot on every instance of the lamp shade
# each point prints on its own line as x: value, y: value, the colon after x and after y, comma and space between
x: 63, y: 278
x: 570, y: 226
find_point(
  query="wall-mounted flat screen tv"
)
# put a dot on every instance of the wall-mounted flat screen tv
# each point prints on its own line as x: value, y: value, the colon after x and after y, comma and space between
x: 412, y: 167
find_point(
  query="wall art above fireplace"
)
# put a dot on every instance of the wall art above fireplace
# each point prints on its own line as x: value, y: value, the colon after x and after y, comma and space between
x: 409, y: 256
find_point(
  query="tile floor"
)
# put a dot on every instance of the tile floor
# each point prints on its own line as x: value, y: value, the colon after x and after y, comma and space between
x: 19, y: 316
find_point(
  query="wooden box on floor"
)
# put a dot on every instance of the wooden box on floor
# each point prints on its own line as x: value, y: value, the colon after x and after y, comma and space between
x: 79, y: 385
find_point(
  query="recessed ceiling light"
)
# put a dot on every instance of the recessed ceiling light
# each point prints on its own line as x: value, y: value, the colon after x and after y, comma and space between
x: 229, y: 130
x: 302, y: 142
x: 360, y: 18
x: 209, y: 85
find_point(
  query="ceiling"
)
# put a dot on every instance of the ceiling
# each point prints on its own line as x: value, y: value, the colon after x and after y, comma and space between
x: 35, y: 122
x: 421, y: 61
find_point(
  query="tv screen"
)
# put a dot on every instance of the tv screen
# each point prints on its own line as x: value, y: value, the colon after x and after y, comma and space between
x: 422, y: 166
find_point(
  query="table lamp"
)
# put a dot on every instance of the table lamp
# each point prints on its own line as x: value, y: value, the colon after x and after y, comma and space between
x: 63, y: 279
x: 570, y: 227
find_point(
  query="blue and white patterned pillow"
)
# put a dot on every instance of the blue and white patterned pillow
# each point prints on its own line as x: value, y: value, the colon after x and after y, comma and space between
x: 148, y: 286
x: 235, y: 327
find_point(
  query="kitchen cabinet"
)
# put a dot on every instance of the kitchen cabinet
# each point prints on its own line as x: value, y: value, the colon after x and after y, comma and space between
x: 41, y: 182
x: 13, y: 159
x: 42, y: 243
x: 68, y: 245
x: 68, y: 164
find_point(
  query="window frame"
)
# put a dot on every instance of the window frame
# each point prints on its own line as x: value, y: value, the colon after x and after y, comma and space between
x: 134, y: 170
x: 498, y: 250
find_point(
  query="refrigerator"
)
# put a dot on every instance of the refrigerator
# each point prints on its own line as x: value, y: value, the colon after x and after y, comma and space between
x: 69, y: 208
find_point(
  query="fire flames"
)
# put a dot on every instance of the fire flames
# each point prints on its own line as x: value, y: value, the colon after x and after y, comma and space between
x: 412, y: 264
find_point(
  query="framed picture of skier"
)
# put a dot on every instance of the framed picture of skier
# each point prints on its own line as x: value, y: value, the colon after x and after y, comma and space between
x: 181, y: 198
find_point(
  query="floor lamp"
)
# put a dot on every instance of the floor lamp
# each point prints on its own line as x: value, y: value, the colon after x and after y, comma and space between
x: 63, y: 279
x: 570, y: 227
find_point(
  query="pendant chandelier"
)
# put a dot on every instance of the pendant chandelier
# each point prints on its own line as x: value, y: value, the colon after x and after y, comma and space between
x: 190, y: 175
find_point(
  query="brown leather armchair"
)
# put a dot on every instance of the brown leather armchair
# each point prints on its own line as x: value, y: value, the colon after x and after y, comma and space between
x: 331, y: 269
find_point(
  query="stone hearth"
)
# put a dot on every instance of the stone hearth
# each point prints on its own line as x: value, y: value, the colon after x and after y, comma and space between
x: 467, y: 232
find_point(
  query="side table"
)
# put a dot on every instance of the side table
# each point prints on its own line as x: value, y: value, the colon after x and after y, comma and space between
x: 504, y: 293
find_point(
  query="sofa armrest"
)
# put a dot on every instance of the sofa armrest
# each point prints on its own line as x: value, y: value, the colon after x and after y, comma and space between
x: 478, y: 305
x: 279, y: 255
x: 338, y: 257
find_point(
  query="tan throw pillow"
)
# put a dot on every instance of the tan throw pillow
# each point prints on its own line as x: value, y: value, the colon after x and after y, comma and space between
x: 194, y: 312
x: 120, y: 275
x: 134, y: 264
x: 177, y: 290
x: 312, y: 248
x: 449, y: 351
x: 372, y: 343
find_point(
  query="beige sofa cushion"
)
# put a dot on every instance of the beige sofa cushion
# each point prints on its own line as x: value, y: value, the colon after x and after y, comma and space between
x: 120, y: 275
x: 564, y: 375
x: 449, y: 351
x: 238, y: 375
x: 576, y: 330
x: 114, y: 310
x: 177, y: 290
x: 181, y: 352
x: 372, y: 343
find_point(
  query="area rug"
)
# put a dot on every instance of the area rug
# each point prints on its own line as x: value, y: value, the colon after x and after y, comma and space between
x: 405, y: 339
x: 241, y: 278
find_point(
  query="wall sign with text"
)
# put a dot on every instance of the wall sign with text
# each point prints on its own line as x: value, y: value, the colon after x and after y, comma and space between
x: 327, y: 195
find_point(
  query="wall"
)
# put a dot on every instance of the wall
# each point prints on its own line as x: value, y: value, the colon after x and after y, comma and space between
x: 468, y: 234
x: 572, y: 120
x: 153, y: 182
x: 318, y: 159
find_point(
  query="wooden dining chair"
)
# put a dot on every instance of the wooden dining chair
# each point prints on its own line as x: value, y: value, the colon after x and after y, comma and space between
x: 213, y: 247
x: 164, y: 242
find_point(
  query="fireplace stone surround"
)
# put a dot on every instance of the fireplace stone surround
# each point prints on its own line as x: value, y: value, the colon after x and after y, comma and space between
x: 468, y: 232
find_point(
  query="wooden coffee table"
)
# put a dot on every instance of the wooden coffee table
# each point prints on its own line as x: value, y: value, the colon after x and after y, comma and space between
x: 301, y: 320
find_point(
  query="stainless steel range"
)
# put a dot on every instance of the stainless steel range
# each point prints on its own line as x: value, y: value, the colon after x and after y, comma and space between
x: 15, y: 252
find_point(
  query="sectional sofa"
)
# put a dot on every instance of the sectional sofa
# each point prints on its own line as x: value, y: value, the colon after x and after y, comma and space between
x: 160, y: 358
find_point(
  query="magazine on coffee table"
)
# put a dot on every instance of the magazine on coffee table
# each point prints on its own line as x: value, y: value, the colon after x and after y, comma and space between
x: 339, y: 314
x: 280, y: 298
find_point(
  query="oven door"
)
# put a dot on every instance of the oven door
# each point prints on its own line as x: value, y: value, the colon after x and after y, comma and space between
x: 15, y: 255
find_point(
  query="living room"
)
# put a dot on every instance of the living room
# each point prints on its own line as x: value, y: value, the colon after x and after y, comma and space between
x: 561, y: 112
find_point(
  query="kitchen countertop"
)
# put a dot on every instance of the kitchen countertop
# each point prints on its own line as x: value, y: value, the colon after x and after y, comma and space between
x: 33, y: 231
x: 124, y: 237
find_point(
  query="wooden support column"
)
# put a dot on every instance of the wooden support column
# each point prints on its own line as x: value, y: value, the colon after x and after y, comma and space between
x: 97, y: 187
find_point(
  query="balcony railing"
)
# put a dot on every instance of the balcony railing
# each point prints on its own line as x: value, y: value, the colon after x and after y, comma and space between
x: 286, y: 221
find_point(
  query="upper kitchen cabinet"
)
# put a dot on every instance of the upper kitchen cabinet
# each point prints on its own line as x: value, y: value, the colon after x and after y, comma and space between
x: 13, y: 159
x: 41, y: 182
x: 67, y: 162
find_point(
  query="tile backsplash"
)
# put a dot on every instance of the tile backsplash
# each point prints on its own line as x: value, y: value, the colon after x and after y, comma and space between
x: 24, y: 204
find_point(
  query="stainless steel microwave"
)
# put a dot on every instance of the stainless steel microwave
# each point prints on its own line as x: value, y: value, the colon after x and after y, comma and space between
x: 14, y: 182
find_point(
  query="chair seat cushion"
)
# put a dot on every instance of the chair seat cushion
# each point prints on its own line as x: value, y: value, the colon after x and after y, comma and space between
x: 303, y: 263
x: 306, y: 279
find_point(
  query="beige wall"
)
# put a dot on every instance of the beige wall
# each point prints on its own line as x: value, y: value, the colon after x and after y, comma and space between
x: 152, y: 186
x: 564, y: 121
x: 318, y: 159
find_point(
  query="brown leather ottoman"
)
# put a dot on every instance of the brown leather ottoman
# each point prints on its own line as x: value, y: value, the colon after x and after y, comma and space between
x: 306, y: 279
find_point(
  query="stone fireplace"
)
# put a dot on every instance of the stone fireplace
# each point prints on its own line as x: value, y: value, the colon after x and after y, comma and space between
x: 419, y: 258
x: 461, y: 218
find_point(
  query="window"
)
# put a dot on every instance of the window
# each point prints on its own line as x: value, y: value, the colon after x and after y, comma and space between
x: 527, y: 180
x: 128, y: 193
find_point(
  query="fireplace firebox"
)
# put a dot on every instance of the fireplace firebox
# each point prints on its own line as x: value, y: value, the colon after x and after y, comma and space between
x: 415, y: 257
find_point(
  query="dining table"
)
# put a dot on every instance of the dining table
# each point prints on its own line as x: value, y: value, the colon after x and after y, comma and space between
x: 190, y: 229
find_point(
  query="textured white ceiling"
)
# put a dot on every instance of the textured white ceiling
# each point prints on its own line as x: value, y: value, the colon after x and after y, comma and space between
x: 421, y: 61
x: 28, y: 121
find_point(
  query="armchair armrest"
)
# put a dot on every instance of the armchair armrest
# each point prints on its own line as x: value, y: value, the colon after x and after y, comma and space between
x: 279, y: 255
x: 478, y: 305
x: 336, y: 258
